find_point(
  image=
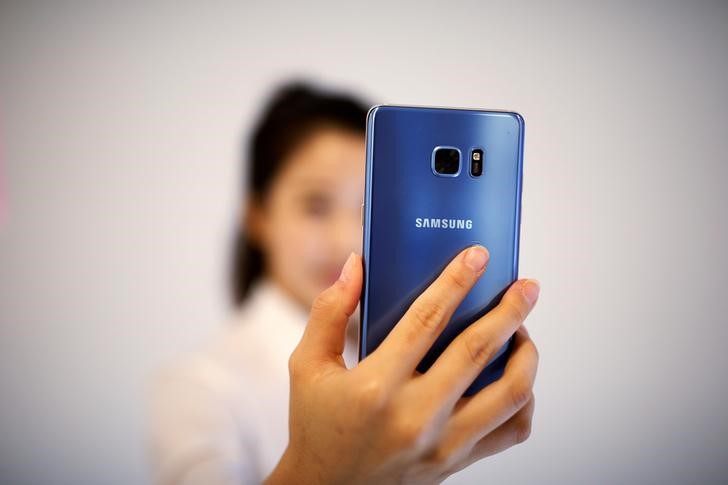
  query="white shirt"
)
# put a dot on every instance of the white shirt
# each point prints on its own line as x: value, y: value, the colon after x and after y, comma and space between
x: 220, y: 416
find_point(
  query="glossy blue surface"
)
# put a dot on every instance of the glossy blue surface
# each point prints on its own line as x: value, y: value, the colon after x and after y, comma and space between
x: 401, y: 259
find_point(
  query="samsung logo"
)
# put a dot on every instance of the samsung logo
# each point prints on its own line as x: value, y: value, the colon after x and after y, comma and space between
x: 444, y: 223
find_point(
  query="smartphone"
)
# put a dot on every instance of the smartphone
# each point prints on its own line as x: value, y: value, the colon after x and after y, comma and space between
x: 437, y: 181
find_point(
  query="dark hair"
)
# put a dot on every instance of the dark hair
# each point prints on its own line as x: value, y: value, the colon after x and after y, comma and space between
x: 294, y: 112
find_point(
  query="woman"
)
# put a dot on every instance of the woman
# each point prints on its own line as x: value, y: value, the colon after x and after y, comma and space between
x: 223, y: 415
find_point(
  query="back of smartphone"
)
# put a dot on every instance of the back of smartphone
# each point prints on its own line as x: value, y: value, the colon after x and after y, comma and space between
x: 438, y: 180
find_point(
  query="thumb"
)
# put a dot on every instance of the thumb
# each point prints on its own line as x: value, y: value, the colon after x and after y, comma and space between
x: 325, y: 332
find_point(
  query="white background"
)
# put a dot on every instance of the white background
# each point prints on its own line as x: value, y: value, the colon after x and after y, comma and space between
x: 121, y: 127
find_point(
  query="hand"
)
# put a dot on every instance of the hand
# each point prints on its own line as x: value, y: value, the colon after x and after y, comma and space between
x: 384, y: 422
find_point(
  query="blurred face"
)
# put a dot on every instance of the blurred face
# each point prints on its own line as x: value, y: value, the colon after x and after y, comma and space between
x: 310, y: 219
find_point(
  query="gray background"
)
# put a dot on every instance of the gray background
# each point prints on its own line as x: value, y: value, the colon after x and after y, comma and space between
x: 120, y: 128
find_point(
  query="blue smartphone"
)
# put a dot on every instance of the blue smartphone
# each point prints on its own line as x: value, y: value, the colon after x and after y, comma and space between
x: 437, y: 181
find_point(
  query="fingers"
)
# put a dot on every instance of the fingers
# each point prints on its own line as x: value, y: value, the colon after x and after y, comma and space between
x: 412, y: 337
x: 325, y: 332
x: 468, y: 354
x: 514, y: 431
x: 496, y: 403
x: 492, y: 420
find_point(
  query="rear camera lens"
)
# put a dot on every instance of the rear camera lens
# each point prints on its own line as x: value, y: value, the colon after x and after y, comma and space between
x: 447, y: 161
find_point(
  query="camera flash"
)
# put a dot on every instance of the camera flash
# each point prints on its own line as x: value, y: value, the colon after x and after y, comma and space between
x: 476, y: 162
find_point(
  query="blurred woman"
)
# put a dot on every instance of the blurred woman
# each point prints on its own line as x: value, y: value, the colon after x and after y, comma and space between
x: 221, y: 415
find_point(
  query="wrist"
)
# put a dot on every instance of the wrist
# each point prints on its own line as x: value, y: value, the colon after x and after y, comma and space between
x: 290, y: 469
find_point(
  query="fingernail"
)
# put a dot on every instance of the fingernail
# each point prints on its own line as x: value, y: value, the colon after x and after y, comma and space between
x: 346, y: 270
x: 476, y: 257
x: 530, y: 289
